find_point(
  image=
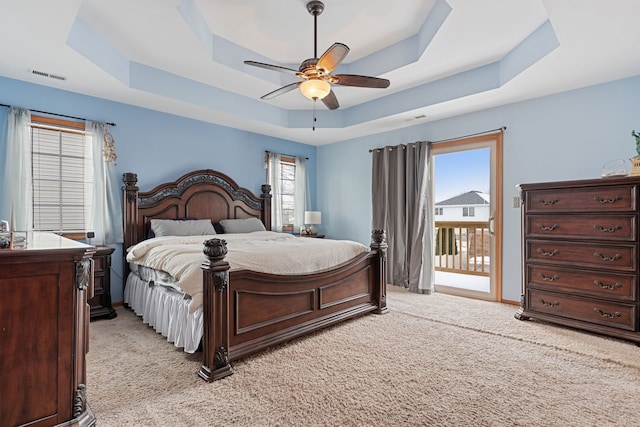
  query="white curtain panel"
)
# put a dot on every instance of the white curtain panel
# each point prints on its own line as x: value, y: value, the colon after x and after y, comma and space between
x: 301, y: 193
x: 16, y: 199
x: 276, y: 190
x: 107, y: 207
x: 402, y: 206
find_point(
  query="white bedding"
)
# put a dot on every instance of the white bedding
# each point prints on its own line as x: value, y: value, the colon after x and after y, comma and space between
x: 262, y: 251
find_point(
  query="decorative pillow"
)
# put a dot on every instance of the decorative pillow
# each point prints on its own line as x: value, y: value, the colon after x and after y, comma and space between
x: 151, y: 234
x: 177, y: 227
x: 247, y: 225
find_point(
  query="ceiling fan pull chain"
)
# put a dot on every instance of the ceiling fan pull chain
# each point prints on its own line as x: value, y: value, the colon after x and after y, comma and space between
x: 313, y: 127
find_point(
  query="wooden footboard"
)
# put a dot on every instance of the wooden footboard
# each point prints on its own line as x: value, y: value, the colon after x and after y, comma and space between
x: 249, y: 311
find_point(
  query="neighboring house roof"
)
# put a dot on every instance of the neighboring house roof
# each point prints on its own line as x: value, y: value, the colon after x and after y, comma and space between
x: 468, y: 198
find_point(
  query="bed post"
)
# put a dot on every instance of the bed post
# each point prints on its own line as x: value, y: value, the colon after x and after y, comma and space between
x: 379, y: 244
x: 215, y: 340
x: 130, y: 204
x: 266, y: 206
x: 129, y: 216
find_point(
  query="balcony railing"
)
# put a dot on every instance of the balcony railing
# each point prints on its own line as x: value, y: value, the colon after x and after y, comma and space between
x: 463, y: 247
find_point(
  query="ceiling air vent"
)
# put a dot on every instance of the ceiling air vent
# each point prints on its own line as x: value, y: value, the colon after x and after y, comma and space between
x: 51, y: 76
x: 410, y: 119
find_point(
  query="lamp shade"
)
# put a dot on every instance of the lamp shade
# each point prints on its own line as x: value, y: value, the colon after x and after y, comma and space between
x: 315, y: 89
x: 312, y: 217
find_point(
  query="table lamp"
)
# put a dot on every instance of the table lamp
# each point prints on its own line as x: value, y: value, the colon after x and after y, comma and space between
x: 312, y: 218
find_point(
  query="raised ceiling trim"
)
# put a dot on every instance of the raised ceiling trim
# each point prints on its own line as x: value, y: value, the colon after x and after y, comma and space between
x: 100, y: 51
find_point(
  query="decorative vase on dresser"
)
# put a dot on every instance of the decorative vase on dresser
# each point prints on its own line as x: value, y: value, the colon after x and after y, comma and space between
x: 580, y: 255
x: 44, y: 320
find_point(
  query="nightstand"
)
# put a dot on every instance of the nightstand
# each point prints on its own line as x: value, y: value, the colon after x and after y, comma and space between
x: 101, y: 302
x: 315, y: 236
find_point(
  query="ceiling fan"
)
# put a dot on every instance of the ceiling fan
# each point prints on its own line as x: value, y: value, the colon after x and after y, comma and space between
x: 316, y: 72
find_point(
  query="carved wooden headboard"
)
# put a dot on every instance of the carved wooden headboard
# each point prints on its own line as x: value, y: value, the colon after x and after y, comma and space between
x: 199, y: 194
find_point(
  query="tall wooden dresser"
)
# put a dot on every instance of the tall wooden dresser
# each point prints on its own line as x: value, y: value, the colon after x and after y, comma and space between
x: 580, y: 254
x: 44, y: 321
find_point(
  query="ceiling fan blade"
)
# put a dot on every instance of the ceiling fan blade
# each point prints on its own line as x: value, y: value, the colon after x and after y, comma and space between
x: 360, y: 81
x: 271, y: 67
x: 281, y: 91
x: 333, y: 57
x: 330, y: 101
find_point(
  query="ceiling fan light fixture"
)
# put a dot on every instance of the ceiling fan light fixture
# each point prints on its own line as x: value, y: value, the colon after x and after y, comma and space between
x: 315, y: 89
x: 316, y: 72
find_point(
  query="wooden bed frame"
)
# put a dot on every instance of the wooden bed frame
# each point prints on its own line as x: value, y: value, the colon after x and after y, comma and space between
x: 245, y: 311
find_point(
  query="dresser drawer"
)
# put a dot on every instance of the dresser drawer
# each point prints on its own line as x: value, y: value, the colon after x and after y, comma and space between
x: 602, y: 227
x: 618, y: 257
x: 621, y: 316
x: 588, y: 283
x: 592, y: 199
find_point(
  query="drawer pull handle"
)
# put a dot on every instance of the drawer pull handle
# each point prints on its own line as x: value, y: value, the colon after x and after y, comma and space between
x: 548, y: 202
x: 610, y: 287
x: 606, y: 258
x: 607, y: 201
x: 607, y: 315
x: 547, y: 227
x: 549, y: 304
x: 607, y: 229
x: 545, y: 253
x: 548, y: 278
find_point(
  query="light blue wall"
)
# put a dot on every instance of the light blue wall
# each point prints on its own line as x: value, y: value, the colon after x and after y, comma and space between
x: 559, y: 137
x: 565, y: 136
x: 159, y: 146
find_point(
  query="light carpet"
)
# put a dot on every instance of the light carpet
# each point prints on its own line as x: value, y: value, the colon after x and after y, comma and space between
x: 433, y: 360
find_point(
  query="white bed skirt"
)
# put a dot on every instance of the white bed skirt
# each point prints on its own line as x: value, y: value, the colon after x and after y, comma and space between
x: 166, y: 311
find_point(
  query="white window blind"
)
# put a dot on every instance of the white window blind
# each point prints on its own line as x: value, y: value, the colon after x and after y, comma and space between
x: 62, y: 180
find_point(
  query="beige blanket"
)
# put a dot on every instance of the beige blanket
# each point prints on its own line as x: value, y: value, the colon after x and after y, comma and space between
x: 262, y: 251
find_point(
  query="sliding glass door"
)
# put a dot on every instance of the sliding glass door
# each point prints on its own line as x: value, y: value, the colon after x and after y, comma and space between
x: 468, y: 216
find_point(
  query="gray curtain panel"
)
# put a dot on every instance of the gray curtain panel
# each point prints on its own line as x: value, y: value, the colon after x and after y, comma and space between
x: 402, y: 206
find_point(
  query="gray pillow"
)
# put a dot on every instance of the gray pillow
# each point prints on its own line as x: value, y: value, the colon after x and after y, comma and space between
x: 246, y: 225
x: 170, y: 227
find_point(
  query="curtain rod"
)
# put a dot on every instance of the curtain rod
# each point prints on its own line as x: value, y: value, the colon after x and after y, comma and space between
x: 282, y: 154
x: 56, y: 114
x: 501, y: 129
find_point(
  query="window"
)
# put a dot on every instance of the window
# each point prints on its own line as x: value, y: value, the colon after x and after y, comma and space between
x: 439, y: 211
x: 62, y: 176
x: 287, y: 176
x: 288, y: 186
x: 469, y: 211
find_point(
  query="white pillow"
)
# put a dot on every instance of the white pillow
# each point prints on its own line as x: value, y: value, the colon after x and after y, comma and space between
x: 246, y: 225
x: 171, y: 227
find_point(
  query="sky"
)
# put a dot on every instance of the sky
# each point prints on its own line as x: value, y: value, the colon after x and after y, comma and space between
x: 460, y: 172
